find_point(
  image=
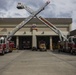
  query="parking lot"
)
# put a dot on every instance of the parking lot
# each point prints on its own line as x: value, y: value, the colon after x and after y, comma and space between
x: 27, y: 62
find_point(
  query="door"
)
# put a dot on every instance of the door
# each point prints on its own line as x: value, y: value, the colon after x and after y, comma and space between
x: 25, y: 42
x: 14, y: 40
x: 45, y: 39
x: 55, y: 40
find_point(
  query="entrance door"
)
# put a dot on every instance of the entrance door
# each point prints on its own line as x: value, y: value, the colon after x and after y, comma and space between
x: 45, y: 39
x: 25, y: 42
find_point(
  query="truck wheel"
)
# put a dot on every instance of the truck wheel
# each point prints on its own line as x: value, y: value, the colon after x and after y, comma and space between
x: 45, y: 50
x: 3, y: 52
x: 71, y: 51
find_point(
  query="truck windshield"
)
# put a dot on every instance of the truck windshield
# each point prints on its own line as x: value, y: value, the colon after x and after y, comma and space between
x: 2, y: 41
x: 74, y: 39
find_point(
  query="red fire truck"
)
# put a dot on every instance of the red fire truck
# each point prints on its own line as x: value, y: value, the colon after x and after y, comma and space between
x: 67, y: 44
x: 3, y: 49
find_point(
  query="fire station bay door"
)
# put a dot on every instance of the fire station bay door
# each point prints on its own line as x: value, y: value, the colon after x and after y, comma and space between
x: 55, y: 40
x: 14, y: 40
x: 45, y: 39
x: 25, y: 42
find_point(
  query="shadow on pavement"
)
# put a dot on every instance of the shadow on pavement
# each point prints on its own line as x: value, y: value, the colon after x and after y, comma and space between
x: 63, y: 53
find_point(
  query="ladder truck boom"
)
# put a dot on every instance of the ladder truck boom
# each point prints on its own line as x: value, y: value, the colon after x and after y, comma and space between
x: 22, y: 6
x: 26, y: 20
x: 55, y: 29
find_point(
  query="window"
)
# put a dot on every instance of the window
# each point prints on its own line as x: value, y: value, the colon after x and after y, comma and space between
x: 69, y: 39
x: 74, y: 40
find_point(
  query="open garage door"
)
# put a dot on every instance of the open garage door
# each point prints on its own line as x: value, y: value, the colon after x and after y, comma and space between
x: 14, y: 40
x: 25, y: 42
x: 55, y: 40
x: 45, y: 39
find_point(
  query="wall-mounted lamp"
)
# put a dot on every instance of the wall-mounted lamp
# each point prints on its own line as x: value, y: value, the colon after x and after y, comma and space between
x: 24, y: 33
x: 42, y: 32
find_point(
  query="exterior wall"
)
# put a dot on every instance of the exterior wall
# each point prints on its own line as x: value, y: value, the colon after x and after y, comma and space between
x: 41, y: 27
x: 70, y: 27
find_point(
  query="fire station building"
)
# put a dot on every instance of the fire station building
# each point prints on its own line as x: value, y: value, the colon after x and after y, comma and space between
x: 34, y: 32
x: 73, y: 33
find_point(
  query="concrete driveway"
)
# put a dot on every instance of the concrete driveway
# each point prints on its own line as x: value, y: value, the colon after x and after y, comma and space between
x: 37, y: 63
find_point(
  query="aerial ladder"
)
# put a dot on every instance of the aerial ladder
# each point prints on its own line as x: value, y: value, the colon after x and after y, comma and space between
x: 22, y: 24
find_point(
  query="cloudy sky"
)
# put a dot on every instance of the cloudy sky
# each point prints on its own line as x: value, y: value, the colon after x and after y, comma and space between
x: 56, y: 9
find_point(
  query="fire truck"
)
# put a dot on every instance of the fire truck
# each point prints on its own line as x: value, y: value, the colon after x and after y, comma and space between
x: 3, y: 49
x: 6, y: 44
x: 67, y: 44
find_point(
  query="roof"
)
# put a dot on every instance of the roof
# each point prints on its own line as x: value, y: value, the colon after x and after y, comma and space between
x: 35, y: 20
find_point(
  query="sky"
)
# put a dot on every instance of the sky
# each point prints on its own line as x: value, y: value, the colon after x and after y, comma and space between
x: 56, y: 9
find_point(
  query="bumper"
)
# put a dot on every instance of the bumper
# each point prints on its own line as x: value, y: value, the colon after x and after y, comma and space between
x: 0, y: 51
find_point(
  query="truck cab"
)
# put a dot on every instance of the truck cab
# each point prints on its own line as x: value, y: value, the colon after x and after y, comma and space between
x: 2, y: 45
x: 72, y: 44
x: 5, y: 46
